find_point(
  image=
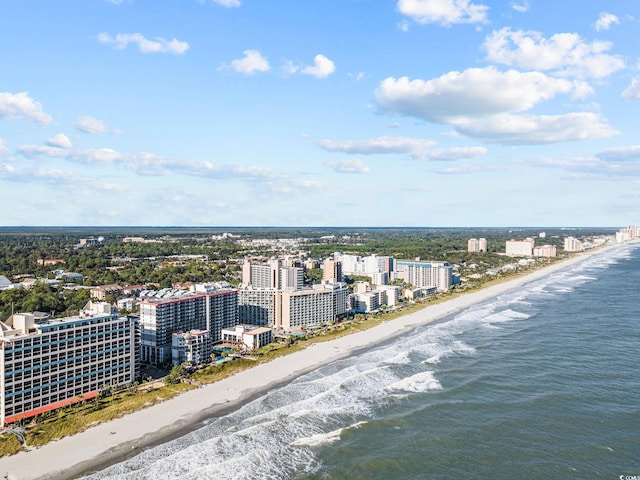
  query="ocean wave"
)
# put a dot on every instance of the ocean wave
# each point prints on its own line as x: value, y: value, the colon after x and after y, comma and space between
x: 420, y: 382
x: 324, y: 438
x: 505, y: 316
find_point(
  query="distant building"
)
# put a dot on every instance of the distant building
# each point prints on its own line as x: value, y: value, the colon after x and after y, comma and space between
x: 332, y: 270
x: 520, y: 248
x: 477, y: 245
x: 89, y: 241
x: 133, y: 240
x: 71, y: 277
x: 572, y: 244
x: 5, y: 283
x: 272, y: 275
x: 365, y: 300
x: 426, y: 274
x: 544, y: 251
x: 50, y: 363
x: 390, y: 295
x: 49, y: 261
x: 100, y: 293
x: 357, y: 265
x: 626, y: 234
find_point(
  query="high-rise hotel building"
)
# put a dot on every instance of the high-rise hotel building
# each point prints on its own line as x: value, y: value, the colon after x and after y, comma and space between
x: 47, y: 364
x: 181, y: 311
x: 477, y: 245
x: 426, y: 274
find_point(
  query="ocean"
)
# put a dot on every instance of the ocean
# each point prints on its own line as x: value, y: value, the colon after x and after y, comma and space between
x: 539, y: 383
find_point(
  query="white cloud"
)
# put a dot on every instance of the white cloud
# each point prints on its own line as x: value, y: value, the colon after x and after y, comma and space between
x: 615, y: 163
x: 380, y: 145
x: 621, y: 154
x: 149, y: 164
x: 41, y: 175
x: 566, y: 53
x: 157, y: 45
x: 418, y: 149
x: 522, y: 6
x: 228, y: 3
x: 632, y: 92
x: 322, y: 67
x: 480, y: 103
x: 88, y: 124
x: 605, y: 20
x: 88, y: 156
x: 349, y: 166
x: 111, y: 187
x: 451, y: 154
x: 475, y: 92
x: 21, y: 106
x: 60, y: 141
x: 535, y: 129
x: 4, y: 151
x: 444, y: 12
x: 253, y: 61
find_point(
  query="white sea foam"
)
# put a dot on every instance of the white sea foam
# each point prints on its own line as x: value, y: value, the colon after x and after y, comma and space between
x: 420, y: 382
x: 324, y: 438
x: 505, y: 316
x: 400, y: 358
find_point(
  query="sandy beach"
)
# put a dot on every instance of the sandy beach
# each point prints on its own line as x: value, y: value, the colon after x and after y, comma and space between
x: 110, y: 442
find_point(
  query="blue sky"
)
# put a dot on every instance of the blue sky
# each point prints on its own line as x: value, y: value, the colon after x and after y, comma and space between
x: 320, y: 112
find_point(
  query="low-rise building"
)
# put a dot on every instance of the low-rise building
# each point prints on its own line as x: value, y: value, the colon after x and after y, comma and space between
x: 250, y: 337
x: 100, y: 293
x: 194, y: 347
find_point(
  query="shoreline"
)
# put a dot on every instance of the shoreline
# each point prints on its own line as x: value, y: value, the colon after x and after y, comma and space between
x: 112, y: 442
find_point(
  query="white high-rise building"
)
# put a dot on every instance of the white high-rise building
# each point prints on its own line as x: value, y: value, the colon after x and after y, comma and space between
x: 289, y: 309
x: 520, y: 248
x: 477, y: 245
x: 272, y: 275
x: 544, y: 251
x: 572, y: 244
x: 426, y: 274
x: 48, y: 364
x: 257, y: 306
x: 625, y: 234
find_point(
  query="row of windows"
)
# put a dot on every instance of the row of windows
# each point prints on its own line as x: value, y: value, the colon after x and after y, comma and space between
x: 24, y: 405
x: 68, y: 369
x: 45, y: 341
x: 35, y: 361
x: 84, y: 376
